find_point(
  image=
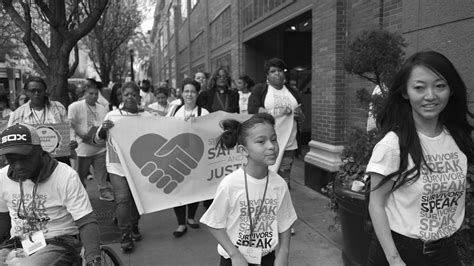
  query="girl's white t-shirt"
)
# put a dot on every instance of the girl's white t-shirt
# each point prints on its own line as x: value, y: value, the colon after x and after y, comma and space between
x: 229, y: 210
x: 432, y: 207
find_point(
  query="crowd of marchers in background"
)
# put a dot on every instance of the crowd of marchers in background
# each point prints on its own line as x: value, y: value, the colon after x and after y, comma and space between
x: 92, y: 111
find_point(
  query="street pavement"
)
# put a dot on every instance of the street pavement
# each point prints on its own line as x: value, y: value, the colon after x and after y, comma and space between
x: 313, y: 243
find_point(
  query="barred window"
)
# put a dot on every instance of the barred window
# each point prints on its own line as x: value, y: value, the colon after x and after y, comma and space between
x: 256, y: 9
x: 197, y: 47
x: 221, y: 61
x: 221, y: 28
x: 184, y: 9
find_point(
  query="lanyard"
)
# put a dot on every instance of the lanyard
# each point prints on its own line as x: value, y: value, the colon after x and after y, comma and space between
x: 30, y: 220
x: 223, y: 105
x: 38, y: 118
x: 257, y: 211
x: 92, y: 111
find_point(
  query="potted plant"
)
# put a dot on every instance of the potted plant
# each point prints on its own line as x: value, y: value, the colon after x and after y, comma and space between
x: 350, y: 204
x: 374, y: 56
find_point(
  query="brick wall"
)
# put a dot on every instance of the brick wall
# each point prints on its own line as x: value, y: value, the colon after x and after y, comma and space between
x: 328, y: 74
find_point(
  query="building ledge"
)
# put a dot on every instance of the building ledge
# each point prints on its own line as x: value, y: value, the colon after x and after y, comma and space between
x: 325, y: 156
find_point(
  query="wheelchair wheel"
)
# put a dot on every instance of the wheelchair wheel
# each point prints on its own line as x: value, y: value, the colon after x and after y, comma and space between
x: 109, y: 257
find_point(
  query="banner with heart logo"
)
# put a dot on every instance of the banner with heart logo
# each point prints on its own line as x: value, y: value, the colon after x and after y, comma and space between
x: 170, y: 162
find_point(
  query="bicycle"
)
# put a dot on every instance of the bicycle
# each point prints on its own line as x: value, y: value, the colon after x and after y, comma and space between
x: 107, y: 254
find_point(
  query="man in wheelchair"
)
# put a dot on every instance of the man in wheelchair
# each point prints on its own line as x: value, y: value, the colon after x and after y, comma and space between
x: 44, y: 205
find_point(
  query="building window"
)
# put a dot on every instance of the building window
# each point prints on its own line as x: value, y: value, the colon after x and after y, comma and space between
x: 221, y: 28
x: 197, y: 47
x: 255, y: 9
x: 162, y: 40
x: 193, y: 3
x: 183, y: 57
x: 165, y: 34
x: 171, y: 20
x: 184, y: 9
x: 223, y: 61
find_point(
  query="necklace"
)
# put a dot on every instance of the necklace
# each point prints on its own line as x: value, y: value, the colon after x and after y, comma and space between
x: 93, y: 110
x: 222, y: 104
x: 39, y: 119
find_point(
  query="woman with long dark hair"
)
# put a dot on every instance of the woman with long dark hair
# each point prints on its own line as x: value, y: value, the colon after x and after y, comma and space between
x: 219, y: 96
x: 418, y: 169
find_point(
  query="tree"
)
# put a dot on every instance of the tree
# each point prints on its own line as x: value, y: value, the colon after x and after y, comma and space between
x: 375, y: 56
x: 116, y: 26
x: 65, y: 23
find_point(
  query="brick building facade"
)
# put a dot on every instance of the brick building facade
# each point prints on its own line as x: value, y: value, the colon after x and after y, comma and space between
x: 312, y: 37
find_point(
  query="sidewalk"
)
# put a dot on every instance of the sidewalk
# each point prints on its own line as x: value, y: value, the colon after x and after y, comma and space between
x: 313, y: 243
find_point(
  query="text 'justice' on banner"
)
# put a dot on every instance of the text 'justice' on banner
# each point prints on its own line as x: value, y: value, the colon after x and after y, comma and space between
x: 169, y: 162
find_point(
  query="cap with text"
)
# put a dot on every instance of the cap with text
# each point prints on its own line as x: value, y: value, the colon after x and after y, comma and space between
x: 19, y: 139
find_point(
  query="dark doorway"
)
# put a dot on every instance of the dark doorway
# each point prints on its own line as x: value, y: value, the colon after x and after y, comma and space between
x: 292, y: 42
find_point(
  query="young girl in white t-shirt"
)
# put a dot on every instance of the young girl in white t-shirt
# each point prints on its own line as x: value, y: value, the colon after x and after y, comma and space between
x: 252, y: 212
x: 418, y: 169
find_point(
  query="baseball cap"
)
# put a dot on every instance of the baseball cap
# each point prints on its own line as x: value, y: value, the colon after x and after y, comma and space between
x: 19, y: 139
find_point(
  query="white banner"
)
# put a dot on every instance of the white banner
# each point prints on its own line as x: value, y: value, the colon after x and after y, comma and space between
x: 169, y: 162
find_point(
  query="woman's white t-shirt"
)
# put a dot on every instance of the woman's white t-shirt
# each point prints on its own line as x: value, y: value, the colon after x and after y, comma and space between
x: 244, y: 102
x: 112, y: 160
x: 185, y: 115
x: 277, y: 100
x: 229, y: 210
x: 432, y: 207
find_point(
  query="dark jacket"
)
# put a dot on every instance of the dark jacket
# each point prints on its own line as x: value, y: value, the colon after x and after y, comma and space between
x: 206, y: 98
x: 259, y: 92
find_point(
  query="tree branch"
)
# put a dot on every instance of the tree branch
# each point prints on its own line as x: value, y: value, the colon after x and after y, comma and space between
x: 24, y: 25
x: 47, y: 12
x: 87, y: 25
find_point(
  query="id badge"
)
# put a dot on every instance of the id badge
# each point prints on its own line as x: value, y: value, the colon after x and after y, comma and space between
x: 30, y: 247
x: 251, y: 254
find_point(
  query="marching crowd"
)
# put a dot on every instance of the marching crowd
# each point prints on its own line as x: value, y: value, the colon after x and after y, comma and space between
x: 90, y: 118
x: 45, y: 209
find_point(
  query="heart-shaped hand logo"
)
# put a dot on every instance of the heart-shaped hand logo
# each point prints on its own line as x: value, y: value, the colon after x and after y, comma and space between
x: 167, y: 162
x: 50, y: 138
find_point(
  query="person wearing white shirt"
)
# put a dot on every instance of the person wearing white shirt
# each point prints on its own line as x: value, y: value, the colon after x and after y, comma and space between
x: 86, y: 116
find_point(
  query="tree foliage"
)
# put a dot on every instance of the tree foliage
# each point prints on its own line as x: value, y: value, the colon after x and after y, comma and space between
x: 106, y: 42
x: 50, y: 30
x: 375, y: 56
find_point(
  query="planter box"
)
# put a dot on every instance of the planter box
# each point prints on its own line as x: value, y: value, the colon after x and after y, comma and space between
x: 351, y: 215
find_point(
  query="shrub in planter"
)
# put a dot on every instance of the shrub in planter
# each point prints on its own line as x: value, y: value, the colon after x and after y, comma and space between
x: 349, y: 204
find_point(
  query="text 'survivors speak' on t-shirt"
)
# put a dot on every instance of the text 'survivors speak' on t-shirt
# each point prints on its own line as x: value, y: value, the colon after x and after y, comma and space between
x: 432, y: 207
